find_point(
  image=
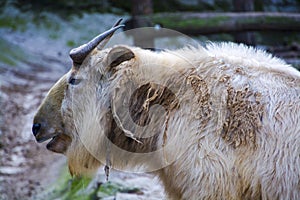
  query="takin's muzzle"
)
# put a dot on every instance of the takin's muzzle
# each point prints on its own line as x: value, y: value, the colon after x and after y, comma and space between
x: 48, y: 122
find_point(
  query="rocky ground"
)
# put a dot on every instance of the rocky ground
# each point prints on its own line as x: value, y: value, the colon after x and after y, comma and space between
x: 24, y: 165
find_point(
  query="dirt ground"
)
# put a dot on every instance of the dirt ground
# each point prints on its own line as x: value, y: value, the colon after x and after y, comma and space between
x: 26, y: 167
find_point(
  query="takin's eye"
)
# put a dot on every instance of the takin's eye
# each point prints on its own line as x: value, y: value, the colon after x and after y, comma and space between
x: 74, y: 81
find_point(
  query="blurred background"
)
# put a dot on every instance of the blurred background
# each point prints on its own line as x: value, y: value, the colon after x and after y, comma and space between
x: 35, y: 39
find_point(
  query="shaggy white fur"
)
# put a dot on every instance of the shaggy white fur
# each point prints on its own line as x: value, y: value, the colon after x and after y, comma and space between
x: 228, y: 124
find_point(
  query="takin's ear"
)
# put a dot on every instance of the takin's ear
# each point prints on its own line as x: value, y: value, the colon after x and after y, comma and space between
x: 117, y: 55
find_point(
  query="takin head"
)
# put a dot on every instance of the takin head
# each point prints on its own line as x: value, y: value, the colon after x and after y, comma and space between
x: 79, y: 107
x: 48, y: 121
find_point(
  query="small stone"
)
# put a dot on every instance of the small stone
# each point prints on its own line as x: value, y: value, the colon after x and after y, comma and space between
x: 8, y: 170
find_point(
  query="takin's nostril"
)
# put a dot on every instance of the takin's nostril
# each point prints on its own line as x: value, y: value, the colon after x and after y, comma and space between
x: 35, y: 128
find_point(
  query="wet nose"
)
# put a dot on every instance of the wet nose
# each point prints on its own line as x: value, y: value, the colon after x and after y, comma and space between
x: 35, y: 128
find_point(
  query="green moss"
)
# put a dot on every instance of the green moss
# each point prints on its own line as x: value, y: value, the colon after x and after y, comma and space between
x: 21, y: 21
x: 110, y: 189
x: 202, y: 23
x: 70, y: 43
x: 45, y: 21
x: 66, y: 188
x: 7, y: 60
x: 12, y: 54
x: 270, y: 19
x: 53, y: 36
x: 15, y: 23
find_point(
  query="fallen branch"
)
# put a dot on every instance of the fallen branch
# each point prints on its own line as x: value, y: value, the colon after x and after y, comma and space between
x: 212, y: 23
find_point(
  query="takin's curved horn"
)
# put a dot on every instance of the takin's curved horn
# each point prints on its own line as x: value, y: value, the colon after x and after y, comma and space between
x: 104, y: 42
x: 79, y: 54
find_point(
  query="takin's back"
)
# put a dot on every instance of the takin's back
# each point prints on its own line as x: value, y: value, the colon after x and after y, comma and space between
x: 249, y: 144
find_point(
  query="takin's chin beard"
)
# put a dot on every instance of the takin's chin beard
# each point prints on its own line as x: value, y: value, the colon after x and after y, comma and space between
x: 80, y: 160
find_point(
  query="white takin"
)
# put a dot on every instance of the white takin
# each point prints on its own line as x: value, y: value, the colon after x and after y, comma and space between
x: 214, y: 122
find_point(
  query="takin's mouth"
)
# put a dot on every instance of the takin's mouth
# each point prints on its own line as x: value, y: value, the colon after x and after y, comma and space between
x: 42, y: 138
x: 59, y: 142
x: 53, y: 140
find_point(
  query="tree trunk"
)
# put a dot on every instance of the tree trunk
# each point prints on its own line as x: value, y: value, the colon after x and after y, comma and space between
x: 244, y: 6
x: 215, y: 23
x: 141, y: 7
